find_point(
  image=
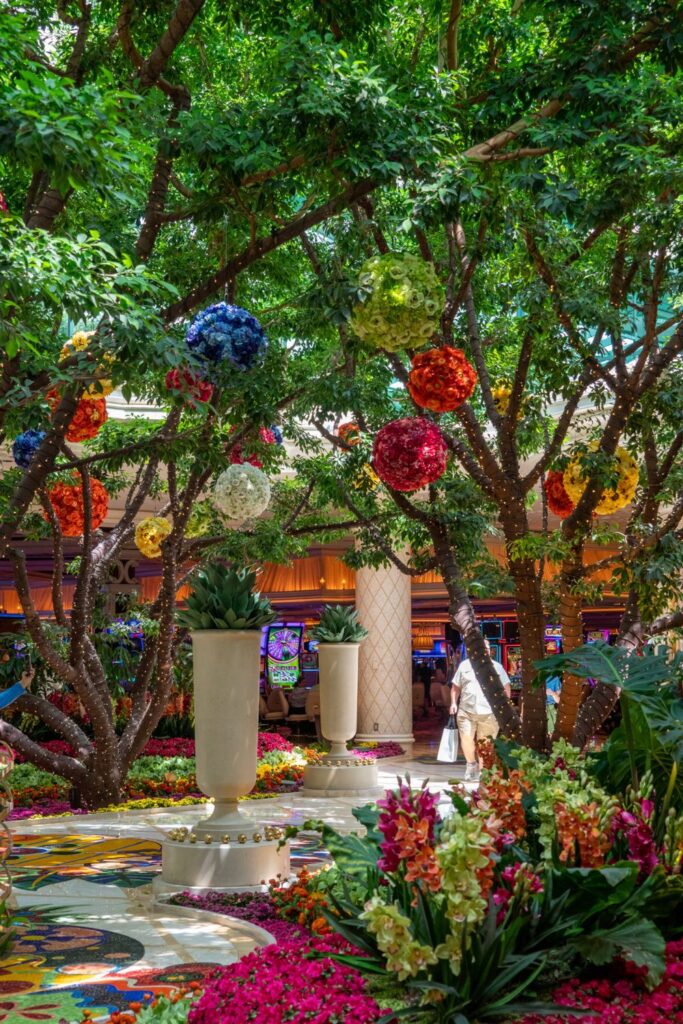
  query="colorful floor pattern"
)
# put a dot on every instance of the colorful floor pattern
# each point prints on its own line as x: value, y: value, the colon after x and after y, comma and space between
x: 57, y: 970
x: 46, y: 859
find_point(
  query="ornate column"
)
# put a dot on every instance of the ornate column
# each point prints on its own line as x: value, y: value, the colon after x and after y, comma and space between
x: 385, y: 705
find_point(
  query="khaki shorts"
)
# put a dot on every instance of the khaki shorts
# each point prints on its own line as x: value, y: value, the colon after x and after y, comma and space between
x: 479, y: 727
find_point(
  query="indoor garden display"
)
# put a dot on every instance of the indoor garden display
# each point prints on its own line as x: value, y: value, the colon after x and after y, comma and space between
x: 227, y: 333
x: 241, y: 492
x: 400, y: 304
x: 441, y: 379
x: 409, y: 453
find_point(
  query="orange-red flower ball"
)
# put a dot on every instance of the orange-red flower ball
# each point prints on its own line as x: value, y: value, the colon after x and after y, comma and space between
x: 559, y: 502
x: 67, y: 502
x: 441, y: 379
x: 91, y: 414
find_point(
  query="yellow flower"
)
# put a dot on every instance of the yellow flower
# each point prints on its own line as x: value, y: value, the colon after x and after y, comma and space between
x: 79, y: 342
x: 404, y: 956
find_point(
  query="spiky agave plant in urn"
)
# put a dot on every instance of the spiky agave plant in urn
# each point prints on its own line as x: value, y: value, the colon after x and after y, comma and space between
x: 339, y: 635
x: 227, y: 850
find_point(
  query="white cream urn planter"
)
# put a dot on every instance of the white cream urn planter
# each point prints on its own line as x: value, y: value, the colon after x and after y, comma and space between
x: 227, y: 850
x: 340, y: 770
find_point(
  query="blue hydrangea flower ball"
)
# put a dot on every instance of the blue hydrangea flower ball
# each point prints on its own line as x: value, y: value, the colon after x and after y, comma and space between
x: 25, y: 447
x: 277, y: 433
x: 224, y: 332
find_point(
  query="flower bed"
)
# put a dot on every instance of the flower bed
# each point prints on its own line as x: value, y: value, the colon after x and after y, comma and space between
x: 621, y: 997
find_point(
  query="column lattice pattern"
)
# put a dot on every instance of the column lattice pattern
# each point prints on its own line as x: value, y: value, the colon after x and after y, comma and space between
x: 385, y: 695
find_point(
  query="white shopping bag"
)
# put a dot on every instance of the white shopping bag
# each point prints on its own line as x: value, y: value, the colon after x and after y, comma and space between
x: 448, y: 748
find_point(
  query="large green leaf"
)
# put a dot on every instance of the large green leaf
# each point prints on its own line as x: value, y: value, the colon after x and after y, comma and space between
x: 637, y: 940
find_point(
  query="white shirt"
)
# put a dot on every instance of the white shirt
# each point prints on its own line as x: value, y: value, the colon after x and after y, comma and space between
x: 472, y: 697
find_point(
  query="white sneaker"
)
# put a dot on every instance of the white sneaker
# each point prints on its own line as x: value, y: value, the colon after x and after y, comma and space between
x: 471, y: 772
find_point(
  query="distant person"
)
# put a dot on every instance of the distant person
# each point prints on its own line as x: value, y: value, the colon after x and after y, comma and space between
x: 475, y: 720
x: 439, y: 672
x: 8, y: 697
x: 553, y: 688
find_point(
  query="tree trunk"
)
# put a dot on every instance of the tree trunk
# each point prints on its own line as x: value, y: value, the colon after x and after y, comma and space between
x: 571, y: 622
x: 464, y: 619
x: 531, y: 621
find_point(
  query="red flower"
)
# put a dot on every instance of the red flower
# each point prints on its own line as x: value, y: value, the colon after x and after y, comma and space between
x: 90, y: 414
x: 67, y: 502
x: 559, y: 501
x: 188, y: 382
x: 441, y: 379
x: 410, y: 453
x: 238, y: 456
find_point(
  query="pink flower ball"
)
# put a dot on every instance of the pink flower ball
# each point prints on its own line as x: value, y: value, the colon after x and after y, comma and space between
x: 410, y: 453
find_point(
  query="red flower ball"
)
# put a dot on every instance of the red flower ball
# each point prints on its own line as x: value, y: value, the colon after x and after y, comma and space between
x: 410, y: 453
x: 441, y: 379
x: 237, y: 455
x: 90, y: 414
x: 558, y: 500
x: 190, y: 383
x: 67, y: 502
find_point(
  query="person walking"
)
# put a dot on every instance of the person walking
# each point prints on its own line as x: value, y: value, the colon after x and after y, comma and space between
x: 475, y: 719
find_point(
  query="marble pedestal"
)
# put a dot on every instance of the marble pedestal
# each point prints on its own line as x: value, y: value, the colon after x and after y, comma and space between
x: 347, y: 776
x: 190, y: 861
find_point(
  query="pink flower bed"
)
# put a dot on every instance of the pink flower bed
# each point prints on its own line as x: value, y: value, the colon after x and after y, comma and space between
x: 178, y: 746
x: 45, y: 809
x: 293, y: 982
x: 388, y: 749
x: 260, y: 910
x: 623, y: 999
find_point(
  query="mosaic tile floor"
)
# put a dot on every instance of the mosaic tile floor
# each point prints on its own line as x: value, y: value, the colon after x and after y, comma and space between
x: 89, y: 936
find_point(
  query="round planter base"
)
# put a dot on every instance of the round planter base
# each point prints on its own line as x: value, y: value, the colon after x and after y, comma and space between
x: 340, y: 778
x: 229, y: 866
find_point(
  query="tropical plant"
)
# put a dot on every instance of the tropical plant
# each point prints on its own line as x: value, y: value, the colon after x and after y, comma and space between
x: 224, y: 598
x: 339, y: 625
x: 649, y: 739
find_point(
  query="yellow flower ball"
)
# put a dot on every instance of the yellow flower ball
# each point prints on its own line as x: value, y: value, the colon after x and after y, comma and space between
x: 366, y: 479
x: 149, y: 535
x: 79, y: 342
x: 612, y: 498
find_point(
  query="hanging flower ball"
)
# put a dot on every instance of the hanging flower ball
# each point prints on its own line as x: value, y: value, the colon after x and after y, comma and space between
x: 349, y: 433
x: 237, y: 453
x: 199, y: 520
x: 410, y: 453
x: 90, y: 415
x: 79, y: 342
x: 25, y: 447
x: 223, y: 332
x: 242, y: 492
x: 67, y: 502
x: 366, y: 479
x: 559, y: 502
x: 502, y: 394
x: 612, y: 498
x: 401, y: 308
x: 149, y: 535
x: 441, y: 379
x: 277, y: 434
x: 187, y: 382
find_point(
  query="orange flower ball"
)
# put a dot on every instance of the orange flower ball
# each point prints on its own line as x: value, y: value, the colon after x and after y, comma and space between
x: 90, y: 415
x: 441, y: 379
x: 349, y: 433
x: 67, y: 502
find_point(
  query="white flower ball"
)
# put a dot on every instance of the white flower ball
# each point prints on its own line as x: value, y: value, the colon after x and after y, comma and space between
x: 242, y: 491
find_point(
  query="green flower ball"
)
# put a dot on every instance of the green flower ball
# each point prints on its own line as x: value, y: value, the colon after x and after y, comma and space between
x: 403, y: 305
